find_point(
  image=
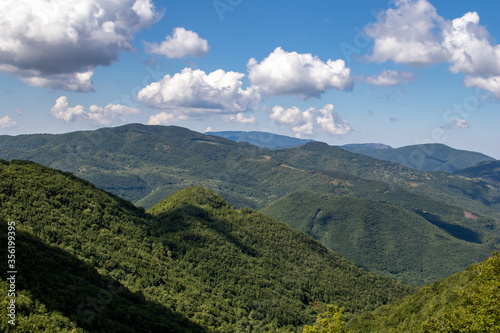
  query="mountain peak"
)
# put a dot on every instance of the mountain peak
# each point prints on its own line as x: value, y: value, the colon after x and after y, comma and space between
x: 196, y: 196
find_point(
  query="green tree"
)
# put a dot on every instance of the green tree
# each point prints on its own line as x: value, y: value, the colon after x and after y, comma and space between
x: 328, y: 322
x: 477, y: 309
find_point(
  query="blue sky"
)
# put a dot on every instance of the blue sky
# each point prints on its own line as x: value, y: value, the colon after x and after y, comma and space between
x: 398, y: 72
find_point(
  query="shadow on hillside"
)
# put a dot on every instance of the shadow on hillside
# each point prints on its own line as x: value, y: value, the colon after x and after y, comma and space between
x: 183, y: 217
x: 66, y: 284
x: 456, y: 231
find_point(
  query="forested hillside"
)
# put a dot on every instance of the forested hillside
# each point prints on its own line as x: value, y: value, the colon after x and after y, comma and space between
x: 465, y: 302
x: 488, y: 172
x: 390, y: 240
x: 192, y: 263
x: 144, y: 164
x: 424, y: 157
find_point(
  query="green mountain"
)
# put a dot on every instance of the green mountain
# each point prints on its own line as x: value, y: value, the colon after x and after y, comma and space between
x: 262, y: 139
x: 354, y: 147
x: 144, y: 164
x: 90, y: 261
x: 485, y: 171
x: 464, y: 302
x: 387, y: 239
x: 424, y: 157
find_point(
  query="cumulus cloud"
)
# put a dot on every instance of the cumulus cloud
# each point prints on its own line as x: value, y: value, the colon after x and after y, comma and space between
x: 389, y: 78
x: 7, y: 122
x: 407, y: 34
x: 58, y: 44
x: 102, y: 115
x: 193, y: 92
x: 311, y: 120
x: 304, y: 75
x: 164, y: 118
x: 182, y: 43
x: 470, y: 48
x: 239, y: 118
x: 491, y: 83
x: 414, y: 34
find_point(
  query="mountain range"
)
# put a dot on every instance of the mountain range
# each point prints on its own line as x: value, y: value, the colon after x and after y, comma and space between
x: 423, y: 157
x: 145, y: 164
x: 89, y: 261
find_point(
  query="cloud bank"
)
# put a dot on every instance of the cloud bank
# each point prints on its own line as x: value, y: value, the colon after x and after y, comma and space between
x: 413, y: 33
x: 58, y: 44
x: 102, y: 115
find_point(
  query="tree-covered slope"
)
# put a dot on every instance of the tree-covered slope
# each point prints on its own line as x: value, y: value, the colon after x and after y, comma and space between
x: 145, y: 164
x: 193, y: 259
x: 464, y: 302
x: 486, y: 171
x: 385, y: 238
x: 57, y: 291
x: 424, y: 157
x: 443, y: 187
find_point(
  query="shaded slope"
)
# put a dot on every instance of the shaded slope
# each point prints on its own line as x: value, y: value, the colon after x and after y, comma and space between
x: 485, y: 171
x: 58, y: 292
x: 383, y: 238
x: 217, y: 267
x: 425, y: 157
x: 464, y: 302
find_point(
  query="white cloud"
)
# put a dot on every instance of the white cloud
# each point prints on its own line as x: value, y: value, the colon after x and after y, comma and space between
x: 182, y: 43
x: 461, y: 123
x: 389, y: 78
x: 58, y: 44
x: 332, y: 122
x: 7, y: 122
x: 102, y: 115
x: 311, y: 120
x: 164, y: 118
x: 193, y: 92
x: 491, y: 83
x: 470, y: 48
x: 413, y: 33
x: 407, y: 34
x: 239, y: 118
x: 105, y: 115
x: 61, y: 110
x: 304, y: 75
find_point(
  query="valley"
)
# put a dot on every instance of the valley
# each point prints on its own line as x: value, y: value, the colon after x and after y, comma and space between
x: 334, y: 227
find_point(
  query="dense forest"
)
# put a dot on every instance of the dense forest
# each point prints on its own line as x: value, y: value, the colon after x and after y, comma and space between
x: 391, y: 240
x: 193, y: 261
x: 334, y: 230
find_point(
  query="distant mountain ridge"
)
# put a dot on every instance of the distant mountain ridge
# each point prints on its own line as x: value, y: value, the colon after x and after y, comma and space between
x: 355, y: 146
x: 488, y: 171
x: 424, y: 157
x: 262, y: 139
x: 145, y: 164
